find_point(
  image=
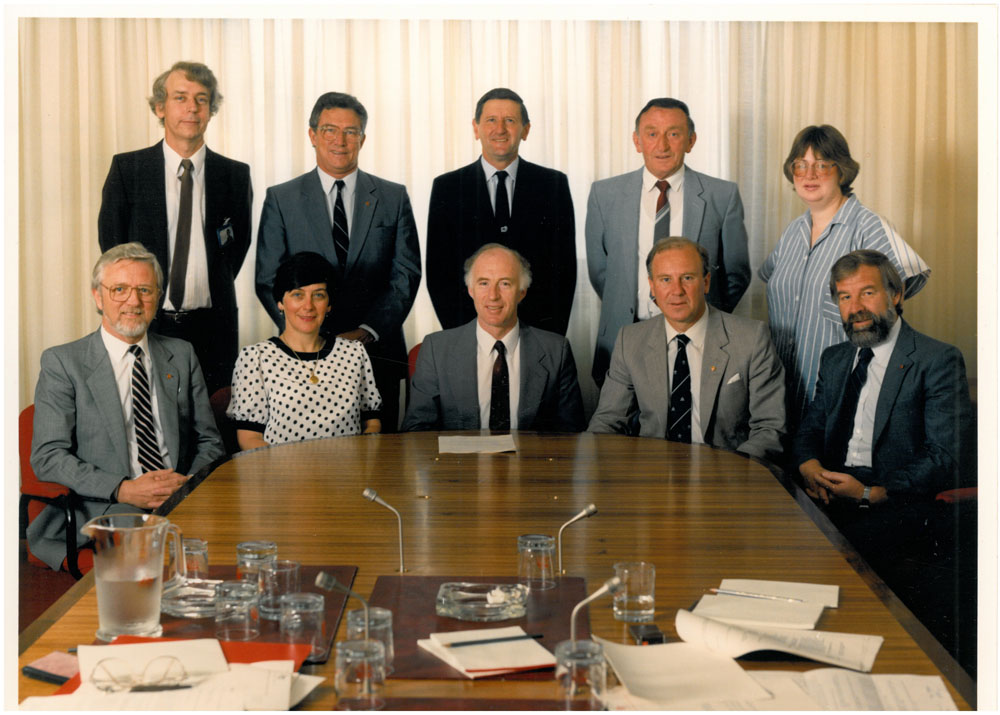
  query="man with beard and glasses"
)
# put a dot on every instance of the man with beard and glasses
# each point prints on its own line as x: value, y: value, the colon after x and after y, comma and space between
x: 121, y: 416
x: 890, y: 425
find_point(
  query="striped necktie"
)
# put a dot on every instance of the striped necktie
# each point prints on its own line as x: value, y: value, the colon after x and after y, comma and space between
x: 341, y: 240
x: 661, y: 227
x: 679, y: 413
x: 142, y: 416
x: 500, y: 392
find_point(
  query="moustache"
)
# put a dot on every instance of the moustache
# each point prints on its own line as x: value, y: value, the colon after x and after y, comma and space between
x: 860, y: 315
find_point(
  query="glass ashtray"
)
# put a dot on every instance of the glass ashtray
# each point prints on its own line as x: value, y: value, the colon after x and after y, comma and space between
x: 481, y: 601
x: 193, y: 598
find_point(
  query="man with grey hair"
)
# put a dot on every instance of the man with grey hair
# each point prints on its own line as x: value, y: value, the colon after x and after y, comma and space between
x: 191, y: 207
x: 726, y: 385
x: 495, y: 372
x: 364, y: 227
x: 121, y: 416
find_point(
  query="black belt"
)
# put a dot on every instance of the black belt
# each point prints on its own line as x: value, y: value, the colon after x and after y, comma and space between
x: 180, y: 317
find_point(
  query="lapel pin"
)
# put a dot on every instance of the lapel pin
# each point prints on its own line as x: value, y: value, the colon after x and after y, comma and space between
x: 169, y: 376
x: 712, y: 368
x: 368, y: 203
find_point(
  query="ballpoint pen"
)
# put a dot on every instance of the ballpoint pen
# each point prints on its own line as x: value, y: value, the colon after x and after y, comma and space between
x: 748, y: 594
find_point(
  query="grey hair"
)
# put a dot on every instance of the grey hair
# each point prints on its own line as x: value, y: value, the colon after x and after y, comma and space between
x: 133, y: 251
x: 195, y: 72
x: 665, y: 244
x: 848, y: 264
x: 525, y: 266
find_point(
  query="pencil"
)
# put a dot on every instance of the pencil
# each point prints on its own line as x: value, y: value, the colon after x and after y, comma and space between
x: 484, y: 641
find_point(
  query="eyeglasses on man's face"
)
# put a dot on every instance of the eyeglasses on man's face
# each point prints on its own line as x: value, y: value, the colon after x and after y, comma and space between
x: 330, y: 131
x: 120, y: 292
x: 802, y: 168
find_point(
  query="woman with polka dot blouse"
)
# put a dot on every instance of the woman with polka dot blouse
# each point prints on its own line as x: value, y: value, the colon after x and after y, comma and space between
x: 302, y: 385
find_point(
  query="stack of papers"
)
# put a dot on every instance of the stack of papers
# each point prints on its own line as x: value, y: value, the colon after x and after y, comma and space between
x: 478, y: 661
x: 756, y: 603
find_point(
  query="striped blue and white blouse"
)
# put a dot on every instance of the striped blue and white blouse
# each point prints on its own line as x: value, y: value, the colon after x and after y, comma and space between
x: 803, y: 317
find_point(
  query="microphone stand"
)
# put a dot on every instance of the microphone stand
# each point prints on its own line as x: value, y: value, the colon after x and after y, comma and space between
x: 371, y: 495
x: 589, y: 511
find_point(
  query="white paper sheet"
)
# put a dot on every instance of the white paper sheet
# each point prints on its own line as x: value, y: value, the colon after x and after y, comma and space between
x: 477, y: 661
x: 809, y: 592
x: 489, y: 444
x: 200, y: 657
x: 759, y: 612
x: 848, y: 650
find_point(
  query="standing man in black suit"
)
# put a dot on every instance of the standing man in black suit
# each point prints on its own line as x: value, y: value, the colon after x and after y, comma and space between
x: 360, y: 223
x: 191, y: 208
x: 534, y: 217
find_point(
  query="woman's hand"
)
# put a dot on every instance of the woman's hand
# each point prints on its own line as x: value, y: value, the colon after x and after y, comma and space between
x: 248, y: 439
x: 372, y: 426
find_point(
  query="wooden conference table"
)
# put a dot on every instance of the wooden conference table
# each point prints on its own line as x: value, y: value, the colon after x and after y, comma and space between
x: 699, y: 514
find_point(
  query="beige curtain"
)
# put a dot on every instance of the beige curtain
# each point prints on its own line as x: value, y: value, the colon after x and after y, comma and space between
x: 904, y: 94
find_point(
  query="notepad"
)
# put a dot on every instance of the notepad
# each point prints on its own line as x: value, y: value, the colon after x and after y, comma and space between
x: 477, y: 661
x: 759, y: 612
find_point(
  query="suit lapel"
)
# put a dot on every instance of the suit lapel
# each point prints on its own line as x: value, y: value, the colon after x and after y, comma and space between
x: 694, y: 204
x: 365, y: 205
x: 216, y: 181
x: 104, y: 393
x: 167, y: 380
x: 313, y: 207
x: 463, y: 369
x: 481, y: 198
x: 839, y: 373
x: 533, y: 377
x: 655, y: 361
x: 152, y: 178
x: 713, y: 366
x: 900, y: 362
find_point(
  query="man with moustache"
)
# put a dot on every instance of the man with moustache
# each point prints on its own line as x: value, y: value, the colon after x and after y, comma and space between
x: 495, y: 372
x: 627, y: 214
x: 121, y: 416
x: 534, y: 216
x: 889, y: 426
x: 191, y: 207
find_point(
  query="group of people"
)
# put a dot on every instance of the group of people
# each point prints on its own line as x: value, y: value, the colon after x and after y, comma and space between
x: 874, y: 425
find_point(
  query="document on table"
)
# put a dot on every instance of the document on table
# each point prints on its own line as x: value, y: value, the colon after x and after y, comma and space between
x: 678, y: 675
x: 489, y: 444
x: 824, y: 594
x: 477, y: 661
x: 754, y: 612
x: 848, y: 650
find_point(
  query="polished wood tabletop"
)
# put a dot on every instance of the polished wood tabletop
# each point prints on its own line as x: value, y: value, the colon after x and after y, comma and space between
x: 699, y: 514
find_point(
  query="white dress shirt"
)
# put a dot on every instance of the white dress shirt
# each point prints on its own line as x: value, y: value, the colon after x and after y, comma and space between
x: 490, y: 172
x: 350, y: 184
x: 645, y: 306
x: 197, y: 293
x: 486, y: 355
x: 121, y: 364
x: 859, y: 446
x: 695, y: 351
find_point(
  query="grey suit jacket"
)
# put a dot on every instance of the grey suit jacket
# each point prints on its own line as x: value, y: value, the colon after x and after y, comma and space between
x: 713, y: 216
x: 742, y: 398
x: 923, y: 439
x: 79, y: 430
x: 382, y: 274
x: 444, y: 392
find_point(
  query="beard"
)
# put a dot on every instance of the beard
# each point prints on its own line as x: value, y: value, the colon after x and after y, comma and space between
x: 874, y: 334
x: 131, y: 328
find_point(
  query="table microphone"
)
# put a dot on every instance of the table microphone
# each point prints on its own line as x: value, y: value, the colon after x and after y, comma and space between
x: 371, y: 495
x: 329, y: 582
x: 590, y: 510
x: 612, y: 585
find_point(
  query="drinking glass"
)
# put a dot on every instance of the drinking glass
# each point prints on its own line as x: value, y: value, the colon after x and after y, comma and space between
x: 535, y: 563
x: 359, y: 678
x: 379, y: 629
x: 634, y: 602
x: 582, y: 674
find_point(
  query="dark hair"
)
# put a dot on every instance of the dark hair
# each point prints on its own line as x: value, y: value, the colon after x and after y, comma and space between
x: 665, y: 244
x: 338, y: 100
x: 501, y: 93
x: 195, y: 72
x: 849, y: 264
x: 826, y: 143
x: 525, y: 280
x: 303, y: 269
x: 666, y: 103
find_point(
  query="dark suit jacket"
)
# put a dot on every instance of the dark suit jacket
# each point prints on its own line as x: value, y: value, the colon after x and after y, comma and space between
x: 742, y: 389
x: 713, y: 217
x: 383, y: 261
x: 79, y: 430
x: 541, y: 229
x: 922, y: 437
x: 134, y: 208
x: 444, y: 391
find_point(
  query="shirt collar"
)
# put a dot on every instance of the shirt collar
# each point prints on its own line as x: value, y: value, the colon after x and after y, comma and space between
x: 350, y: 181
x: 172, y: 159
x: 696, y: 333
x: 117, y: 348
x: 676, y: 180
x: 485, y: 341
x: 489, y: 170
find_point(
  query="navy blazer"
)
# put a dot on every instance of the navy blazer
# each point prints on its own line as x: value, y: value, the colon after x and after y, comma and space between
x: 923, y: 439
x: 444, y: 391
x: 383, y: 260
x: 134, y: 208
x: 542, y: 229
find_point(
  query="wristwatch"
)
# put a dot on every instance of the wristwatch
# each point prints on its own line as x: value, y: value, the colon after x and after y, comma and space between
x: 865, y: 502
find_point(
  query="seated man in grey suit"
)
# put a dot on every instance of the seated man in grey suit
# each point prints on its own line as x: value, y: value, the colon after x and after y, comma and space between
x: 890, y: 425
x: 726, y: 385
x: 495, y: 372
x: 626, y: 214
x: 122, y: 415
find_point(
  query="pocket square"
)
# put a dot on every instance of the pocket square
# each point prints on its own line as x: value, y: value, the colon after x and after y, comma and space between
x: 734, y: 378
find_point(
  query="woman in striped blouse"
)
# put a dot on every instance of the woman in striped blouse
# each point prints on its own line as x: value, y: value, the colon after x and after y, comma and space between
x: 803, y: 317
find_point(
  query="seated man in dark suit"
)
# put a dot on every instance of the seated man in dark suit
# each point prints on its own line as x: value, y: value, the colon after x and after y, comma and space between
x: 535, y: 218
x: 122, y: 415
x: 889, y: 425
x: 726, y: 386
x: 495, y: 372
